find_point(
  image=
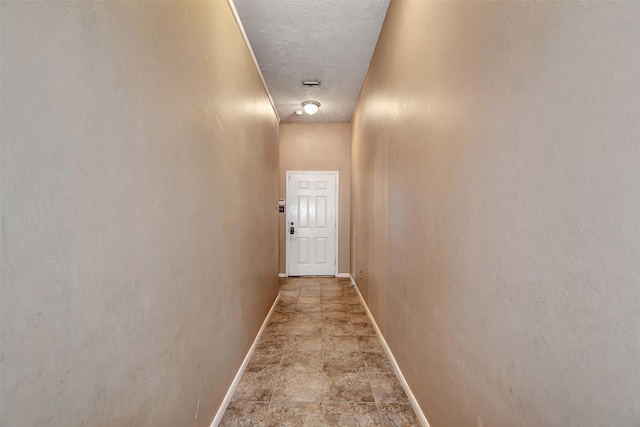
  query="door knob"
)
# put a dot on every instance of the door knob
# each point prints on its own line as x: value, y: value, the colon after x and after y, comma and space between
x: 291, y: 230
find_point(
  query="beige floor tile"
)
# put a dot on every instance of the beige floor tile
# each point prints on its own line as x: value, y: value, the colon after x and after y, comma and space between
x: 254, y: 386
x: 337, y: 343
x: 311, y: 292
x: 398, y: 415
x: 284, y: 308
x: 308, y: 308
x: 352, y: 299
x: 270, y: 342
x: 304, y: 343
x: 378, y: 362
x: 333, y: 299
x: 308, y: 317
x: 263, y: 361
x: 370, y: 344
x: 298, y: 387
x: 289, y: 292
x: 334, y: 363
x: 281, y: 317
x: 288, y: 299
x: 332, y: 290
x: 359, y: 319
x: 305, y: 328
x: 355, y: 308
x: 334, y: 306
x: 245, y: 414
x: 301, y: 280
x: 347, y: 388
x: 386, y: 388
x: 350, y: 291
x: 336, y: 315
x: 339, y: 327
x: 312, y: 286
x: 351, y: 414
x: 302, y: 362
x: 287, y: 414
x: 364, y: 330
x: 277, y: 328
x: 331, y: 281
x: 309, y: 299
x: 290, y: 286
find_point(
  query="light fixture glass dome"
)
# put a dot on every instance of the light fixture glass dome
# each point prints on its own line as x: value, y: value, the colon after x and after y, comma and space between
x: 311, y: 107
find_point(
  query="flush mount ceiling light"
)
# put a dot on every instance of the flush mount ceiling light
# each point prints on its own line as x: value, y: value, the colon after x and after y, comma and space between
x: 311, y: 107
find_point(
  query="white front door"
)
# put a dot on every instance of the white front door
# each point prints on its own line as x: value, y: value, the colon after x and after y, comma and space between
x: 312, y: 200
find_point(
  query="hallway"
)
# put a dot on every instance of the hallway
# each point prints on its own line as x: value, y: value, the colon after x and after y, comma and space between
x: 488, y: 187
x: 319, y: 362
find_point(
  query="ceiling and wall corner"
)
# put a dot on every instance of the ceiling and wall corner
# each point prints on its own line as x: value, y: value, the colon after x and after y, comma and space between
x: 330, y: 41
x: 236, y: 17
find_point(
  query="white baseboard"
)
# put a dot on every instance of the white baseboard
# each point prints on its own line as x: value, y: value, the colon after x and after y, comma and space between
x: 414, y: 403
x: 245, y: 362
x: 342, y: 275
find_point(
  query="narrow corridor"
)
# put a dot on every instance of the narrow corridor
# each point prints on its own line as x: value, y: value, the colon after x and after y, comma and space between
x: 319, y: 362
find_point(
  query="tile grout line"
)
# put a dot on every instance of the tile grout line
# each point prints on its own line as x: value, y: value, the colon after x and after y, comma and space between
x: 324, y: 422
x: 366, y: 370
x: 286, y: 344
x: 374, y: 397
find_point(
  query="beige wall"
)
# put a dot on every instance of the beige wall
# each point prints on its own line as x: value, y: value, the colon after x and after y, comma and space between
x: 318, y: 146
x: 496, y: 202
x: 139, y: 238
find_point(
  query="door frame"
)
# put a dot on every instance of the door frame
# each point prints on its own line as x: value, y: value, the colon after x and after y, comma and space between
x: 286, y: 217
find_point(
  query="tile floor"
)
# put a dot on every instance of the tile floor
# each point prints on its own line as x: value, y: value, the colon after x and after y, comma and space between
x: 319, y: 363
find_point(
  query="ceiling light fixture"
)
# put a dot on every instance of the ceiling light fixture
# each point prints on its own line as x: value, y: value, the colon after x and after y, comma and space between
x: 311, y: 107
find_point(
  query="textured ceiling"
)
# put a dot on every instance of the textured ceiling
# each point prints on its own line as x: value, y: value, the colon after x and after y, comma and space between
x: 327, y: 40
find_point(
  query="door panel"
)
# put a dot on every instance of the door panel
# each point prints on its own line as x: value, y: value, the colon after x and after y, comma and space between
x: 321, y: 248
x: 303, y: 219
x: 302, y: 255
x: 321, y: 212
x: 312, y: 200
